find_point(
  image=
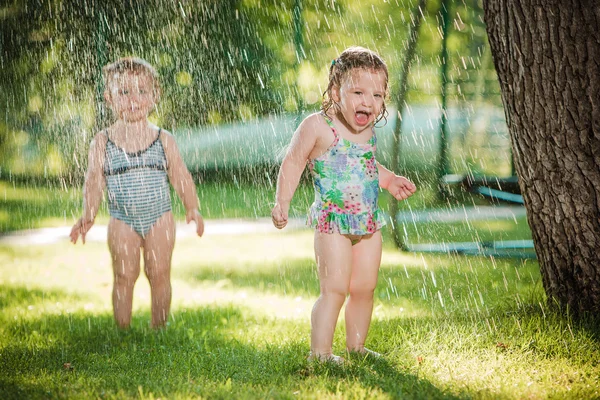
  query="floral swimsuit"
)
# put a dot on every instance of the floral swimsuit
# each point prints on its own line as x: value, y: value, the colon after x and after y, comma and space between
x: 346, y: 183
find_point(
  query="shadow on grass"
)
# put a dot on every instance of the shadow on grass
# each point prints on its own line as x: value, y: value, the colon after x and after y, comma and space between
x: 11, y: 296
x: 379, y: 375
x: 215, y: 352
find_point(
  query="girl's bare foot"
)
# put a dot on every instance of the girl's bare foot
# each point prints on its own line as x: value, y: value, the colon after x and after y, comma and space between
x: 363, y: 351
x: 325, y: 358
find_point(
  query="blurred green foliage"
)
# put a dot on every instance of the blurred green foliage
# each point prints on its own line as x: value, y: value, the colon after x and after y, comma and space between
x: 221, y: 62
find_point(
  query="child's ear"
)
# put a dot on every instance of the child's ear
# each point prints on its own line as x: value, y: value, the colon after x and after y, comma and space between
x: 335, y: 93
x: 157, y: 94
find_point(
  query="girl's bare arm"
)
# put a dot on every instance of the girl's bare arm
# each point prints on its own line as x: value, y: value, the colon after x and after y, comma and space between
x: 182, y: 181
x: 385, y: 176
x: 302, y: 144
x: 400, y: 187
x: 93, y: 188
x: 95, y: 181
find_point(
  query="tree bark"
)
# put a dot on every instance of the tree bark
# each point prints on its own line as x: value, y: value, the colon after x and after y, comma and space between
x: 547, y: 56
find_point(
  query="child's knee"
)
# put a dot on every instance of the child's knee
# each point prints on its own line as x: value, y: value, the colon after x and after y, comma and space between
x: 157, y: 275
x: 126, y: 276
x: 362, y: 293
x: 337, y: 294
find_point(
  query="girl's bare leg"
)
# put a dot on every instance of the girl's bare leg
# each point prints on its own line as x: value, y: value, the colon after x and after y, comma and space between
x: 124, y: 245
x: 158, y: 249
x: 366, y: 258
x: 334, y: 260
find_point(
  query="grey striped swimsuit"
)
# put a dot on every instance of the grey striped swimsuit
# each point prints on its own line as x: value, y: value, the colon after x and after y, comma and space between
x: 137, y: 185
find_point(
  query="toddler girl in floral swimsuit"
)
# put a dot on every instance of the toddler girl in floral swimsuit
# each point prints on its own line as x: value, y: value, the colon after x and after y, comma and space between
x: 339, y: 146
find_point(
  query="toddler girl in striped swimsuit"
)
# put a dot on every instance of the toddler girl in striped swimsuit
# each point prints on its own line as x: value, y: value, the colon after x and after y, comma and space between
x: 135, y: 161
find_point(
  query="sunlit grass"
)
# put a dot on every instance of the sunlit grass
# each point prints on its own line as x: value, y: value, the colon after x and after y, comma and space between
x: 450, y: 327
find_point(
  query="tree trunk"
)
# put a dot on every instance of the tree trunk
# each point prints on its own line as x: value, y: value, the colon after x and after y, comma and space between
x: 547, y: 55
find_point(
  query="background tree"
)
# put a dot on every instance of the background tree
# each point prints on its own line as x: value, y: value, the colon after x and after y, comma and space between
x: 546, y: 55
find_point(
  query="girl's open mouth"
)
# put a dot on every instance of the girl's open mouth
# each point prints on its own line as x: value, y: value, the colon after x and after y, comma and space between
x: 361, y: 118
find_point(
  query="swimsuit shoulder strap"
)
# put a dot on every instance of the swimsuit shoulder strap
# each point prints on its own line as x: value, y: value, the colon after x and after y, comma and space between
x: 105, y: 133
x: 157, y: 140
x: 162, y: 147
x: 330, y: 123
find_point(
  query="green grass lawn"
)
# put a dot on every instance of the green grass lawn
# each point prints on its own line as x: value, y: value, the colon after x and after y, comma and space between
x: 449, y: 326
x: 32, y: 206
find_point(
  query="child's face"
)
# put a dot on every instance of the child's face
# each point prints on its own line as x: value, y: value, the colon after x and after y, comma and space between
x: 131, y: 95
x: 360, y: 98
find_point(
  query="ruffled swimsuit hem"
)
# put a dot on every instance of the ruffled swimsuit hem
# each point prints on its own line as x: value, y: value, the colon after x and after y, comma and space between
x: 326, y: 221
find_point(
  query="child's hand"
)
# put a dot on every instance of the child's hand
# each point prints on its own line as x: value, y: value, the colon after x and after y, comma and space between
x: 401, y: 188
x: 279, y: 215
x: 195, y: 216
x: 81, y: 227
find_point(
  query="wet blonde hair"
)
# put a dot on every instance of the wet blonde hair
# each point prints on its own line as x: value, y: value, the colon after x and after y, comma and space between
x: 134, y: 65
x: 353, y: 58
